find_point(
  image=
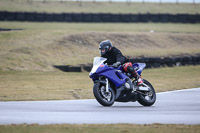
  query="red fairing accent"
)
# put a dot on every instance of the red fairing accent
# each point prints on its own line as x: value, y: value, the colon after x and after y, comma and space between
x: 126, y: 65
x: 101, y: 66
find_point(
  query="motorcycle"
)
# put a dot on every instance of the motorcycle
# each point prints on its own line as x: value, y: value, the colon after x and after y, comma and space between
x: 114, y: 84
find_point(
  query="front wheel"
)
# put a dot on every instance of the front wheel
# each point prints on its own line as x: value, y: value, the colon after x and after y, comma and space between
x: 103, y: 97
x: 147, y: 98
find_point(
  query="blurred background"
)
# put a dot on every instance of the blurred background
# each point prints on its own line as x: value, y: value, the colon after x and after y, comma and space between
x: 47, y: 46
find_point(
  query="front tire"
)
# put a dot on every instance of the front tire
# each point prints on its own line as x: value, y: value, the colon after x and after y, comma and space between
x: 147, y: 98
x: 104, y: 98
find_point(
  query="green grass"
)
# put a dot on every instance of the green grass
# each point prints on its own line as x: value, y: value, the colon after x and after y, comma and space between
x: 17, y: 86
x: 98, y: 7
x: 105, y: 27
x: 110, y: 128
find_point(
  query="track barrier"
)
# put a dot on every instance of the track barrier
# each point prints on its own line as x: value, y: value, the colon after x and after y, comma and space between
x: 98, y: 17
x: 151, y: 62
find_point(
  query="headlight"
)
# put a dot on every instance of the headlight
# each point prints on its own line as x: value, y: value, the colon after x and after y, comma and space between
x: 90, y: 73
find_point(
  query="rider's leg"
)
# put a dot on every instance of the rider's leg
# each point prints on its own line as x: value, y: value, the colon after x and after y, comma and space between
x: 134, y: 73
x: 128, y: 68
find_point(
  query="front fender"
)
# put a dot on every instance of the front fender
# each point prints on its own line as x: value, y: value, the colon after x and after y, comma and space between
x: 97, y: 83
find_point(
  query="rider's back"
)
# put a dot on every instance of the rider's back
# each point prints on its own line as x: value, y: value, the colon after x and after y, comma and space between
x: 115, y: 55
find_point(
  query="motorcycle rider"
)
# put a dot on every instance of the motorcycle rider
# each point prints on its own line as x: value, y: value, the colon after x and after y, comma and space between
x: 116, y: 58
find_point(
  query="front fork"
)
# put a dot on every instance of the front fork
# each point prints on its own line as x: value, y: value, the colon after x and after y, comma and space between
x: 107, y: 84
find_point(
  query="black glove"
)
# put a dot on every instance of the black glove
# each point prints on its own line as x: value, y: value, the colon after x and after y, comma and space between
x: 117, y: 64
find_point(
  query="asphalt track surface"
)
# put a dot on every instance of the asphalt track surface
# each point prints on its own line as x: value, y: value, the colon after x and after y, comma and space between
x: 175, y: 107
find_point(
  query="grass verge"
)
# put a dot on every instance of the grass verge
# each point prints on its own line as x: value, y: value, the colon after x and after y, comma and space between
x: 97, y: 7
x: 16, y: 86
x: 110, y: 128
x: 104, y: 27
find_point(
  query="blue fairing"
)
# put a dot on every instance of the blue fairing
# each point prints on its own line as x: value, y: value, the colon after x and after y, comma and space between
x: 139, y: 67
x: 118, y: 78
x: 115, y: 75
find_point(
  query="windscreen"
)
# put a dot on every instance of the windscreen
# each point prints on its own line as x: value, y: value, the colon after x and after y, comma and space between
x: 96, y: 63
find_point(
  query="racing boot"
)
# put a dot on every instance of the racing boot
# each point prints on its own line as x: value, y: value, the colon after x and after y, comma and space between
x: 139, y: 81
x: 134, y: 74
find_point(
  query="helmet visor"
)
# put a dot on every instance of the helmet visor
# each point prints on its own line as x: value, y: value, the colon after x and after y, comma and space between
x: 103, y: 51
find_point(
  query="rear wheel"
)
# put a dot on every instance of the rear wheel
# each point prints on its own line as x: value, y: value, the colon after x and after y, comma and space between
x: 147, y: 98
x: 103, y: 97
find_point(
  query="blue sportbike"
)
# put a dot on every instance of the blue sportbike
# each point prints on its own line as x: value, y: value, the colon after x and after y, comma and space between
x: 114, y: 84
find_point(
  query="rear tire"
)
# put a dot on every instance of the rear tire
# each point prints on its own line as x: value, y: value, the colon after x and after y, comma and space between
x: 101, y: 97
x: 151, y: 98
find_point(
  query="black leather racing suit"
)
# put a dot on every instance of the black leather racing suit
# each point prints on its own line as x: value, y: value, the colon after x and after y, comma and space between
x: 115, y: 55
